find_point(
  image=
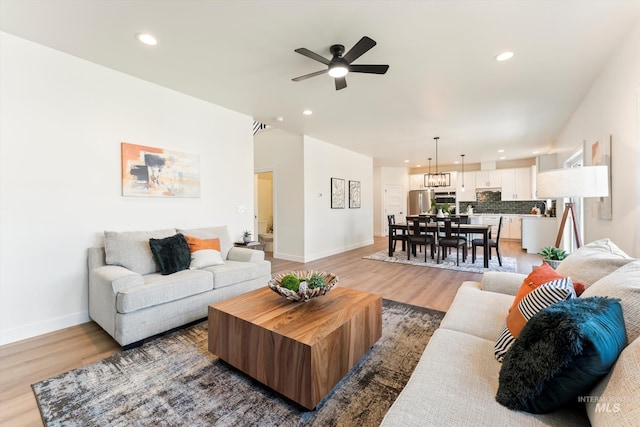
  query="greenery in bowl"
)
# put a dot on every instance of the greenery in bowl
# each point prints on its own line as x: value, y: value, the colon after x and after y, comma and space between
x: 247, y: 233
x: 553, y: 253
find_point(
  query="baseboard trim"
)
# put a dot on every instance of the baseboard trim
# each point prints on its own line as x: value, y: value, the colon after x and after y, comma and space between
x: 8, y: 336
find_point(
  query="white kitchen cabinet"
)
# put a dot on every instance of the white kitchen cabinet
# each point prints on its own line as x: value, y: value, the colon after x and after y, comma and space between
x: 488, y: 179
x: 416, y: 181
x: 538, y: 232
x: 516, y: 184
x: 511, y: 227
x: 469, y: 193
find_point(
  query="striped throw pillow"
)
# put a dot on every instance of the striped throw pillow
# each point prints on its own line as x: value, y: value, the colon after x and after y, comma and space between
x: 543, y: 296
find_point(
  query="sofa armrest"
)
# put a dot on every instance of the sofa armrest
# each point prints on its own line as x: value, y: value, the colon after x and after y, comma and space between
x: 245, y: 255
x: 501, y: 282
x: 114, y: 277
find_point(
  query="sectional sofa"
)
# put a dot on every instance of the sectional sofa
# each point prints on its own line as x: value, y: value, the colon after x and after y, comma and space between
x: 458, y: 377
x: 131, y: 299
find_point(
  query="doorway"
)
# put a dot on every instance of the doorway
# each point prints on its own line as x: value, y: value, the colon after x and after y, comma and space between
x: 264, y: 213
x: 393, y: 205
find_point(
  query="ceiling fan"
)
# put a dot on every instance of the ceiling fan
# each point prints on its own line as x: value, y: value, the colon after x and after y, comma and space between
x: 340, y: 65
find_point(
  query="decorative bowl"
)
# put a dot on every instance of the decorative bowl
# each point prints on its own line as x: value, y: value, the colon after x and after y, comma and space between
x: 305, y: 293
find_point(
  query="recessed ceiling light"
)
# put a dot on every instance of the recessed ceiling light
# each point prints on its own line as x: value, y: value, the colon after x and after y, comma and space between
x: 147, y: 39
x: 501, y: 151
x: 418, y: 166
x: 307, y: 112
x: 535, y: 152
x: 280, y: 119
x: 456, y: 162
x: 406, y: 161
x: 502, y: 157
x: 504, y: 56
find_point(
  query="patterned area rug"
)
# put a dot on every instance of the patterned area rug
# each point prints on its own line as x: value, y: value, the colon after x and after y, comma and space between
x: 174, y: 381
x: 449, y: 263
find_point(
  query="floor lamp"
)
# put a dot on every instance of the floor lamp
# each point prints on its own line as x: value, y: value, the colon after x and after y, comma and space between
x: 587, y: 181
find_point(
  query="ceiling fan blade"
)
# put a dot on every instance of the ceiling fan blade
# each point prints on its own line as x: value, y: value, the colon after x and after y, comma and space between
x: 341, y: 83
x: 373, y: 69
x: 306, y: 52
x: 306, y: 76
x: 359, y: 49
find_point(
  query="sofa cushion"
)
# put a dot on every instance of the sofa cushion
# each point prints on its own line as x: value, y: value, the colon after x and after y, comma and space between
x: 615, y: 401
x: 205, y: 258
x: 624, y: 283
x: 454, y: 384
x: 131, y: 250
x: 232, y: 272
x: 539, y: 276
x: 593, y: 261
x: 463, y: 314
x: 159, y: 289
x: 171, y: 253
x: 220, y: 232
x: 562, y: 352
x: 541, y: 297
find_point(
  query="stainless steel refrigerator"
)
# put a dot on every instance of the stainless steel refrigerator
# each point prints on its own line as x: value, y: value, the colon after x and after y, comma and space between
x: 420, y: 201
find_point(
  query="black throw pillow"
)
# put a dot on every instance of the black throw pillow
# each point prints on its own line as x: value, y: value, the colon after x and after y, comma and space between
x: 171, y: 253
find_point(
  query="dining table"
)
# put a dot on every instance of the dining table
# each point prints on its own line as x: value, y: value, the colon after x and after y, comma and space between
x: 483, y: 229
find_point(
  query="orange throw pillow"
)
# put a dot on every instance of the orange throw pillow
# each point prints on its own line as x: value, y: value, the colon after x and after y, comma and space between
x: 196, y: 244
x: 537, y: 277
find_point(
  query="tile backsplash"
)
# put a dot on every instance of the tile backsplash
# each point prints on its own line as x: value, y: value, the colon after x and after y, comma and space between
x: 489, y: 202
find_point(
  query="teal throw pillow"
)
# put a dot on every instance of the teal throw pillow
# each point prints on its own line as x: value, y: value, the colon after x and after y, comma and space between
x: 562, y: 352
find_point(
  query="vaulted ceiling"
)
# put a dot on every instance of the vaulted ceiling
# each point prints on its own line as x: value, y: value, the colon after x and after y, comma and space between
x: 442, y: 81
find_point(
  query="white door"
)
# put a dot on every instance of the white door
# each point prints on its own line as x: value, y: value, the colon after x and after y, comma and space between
x: 393, y: 204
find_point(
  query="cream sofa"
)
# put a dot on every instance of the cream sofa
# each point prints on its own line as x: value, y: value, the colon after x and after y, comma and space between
x: 456, y: 380
x: 132, y: 301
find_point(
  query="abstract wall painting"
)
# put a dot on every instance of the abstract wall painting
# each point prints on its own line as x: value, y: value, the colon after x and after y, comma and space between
x: 158, y: 172
x: 354, y: 194
x: 337, y: 193
x: 601, y: 156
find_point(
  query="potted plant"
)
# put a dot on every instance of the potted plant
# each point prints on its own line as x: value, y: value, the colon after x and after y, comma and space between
x: 552, y: 256
x: 246, y: 236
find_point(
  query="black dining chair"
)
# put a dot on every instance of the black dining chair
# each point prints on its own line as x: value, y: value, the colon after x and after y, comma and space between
x: 417, y: 236
x: 451, y: 239
x: 396, y: 234
x: 492, y: 244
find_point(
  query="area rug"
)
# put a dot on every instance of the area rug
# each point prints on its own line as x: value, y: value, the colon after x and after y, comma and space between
x: 174, y: 381
x: 449, y: 263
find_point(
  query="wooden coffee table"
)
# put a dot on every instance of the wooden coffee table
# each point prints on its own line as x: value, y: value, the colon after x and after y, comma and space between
x: 299, y: 349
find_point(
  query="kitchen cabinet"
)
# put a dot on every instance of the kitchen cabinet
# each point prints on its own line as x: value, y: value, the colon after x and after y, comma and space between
x: 469, y: 193
x: 511, y: 227
x: 538, y: 232
x: 488, y: 179
x: 516, y: 184
x: 416, y: 182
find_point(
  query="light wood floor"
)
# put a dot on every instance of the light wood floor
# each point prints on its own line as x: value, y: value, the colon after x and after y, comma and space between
x: 35, y: 359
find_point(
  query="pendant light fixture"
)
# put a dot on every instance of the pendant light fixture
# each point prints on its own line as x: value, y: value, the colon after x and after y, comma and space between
x: 437, y: 179
x: 462, y: 155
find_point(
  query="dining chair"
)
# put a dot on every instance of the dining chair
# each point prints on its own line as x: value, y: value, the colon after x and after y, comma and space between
x: 416, y: 236
x: 395, y: 234
x: 451, y: 239
x: 492, y: 244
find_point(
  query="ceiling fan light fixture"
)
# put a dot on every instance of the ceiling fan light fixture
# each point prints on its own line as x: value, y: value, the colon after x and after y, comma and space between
x: 338, y: 70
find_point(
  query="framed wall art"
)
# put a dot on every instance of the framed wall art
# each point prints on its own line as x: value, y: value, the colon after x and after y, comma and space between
x: 337, y: 193
x: 354, y: 194
x: 601, y: 156
x: 158, y: 172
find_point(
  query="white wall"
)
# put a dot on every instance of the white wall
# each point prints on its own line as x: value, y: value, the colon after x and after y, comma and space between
x: 387, y: 176
x: 331, y: 231
x: 62, y: 120
x: 611, y: 108
x: 281, y: 152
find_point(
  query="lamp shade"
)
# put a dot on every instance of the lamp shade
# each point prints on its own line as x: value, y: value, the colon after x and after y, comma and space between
x: 587, y: 181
